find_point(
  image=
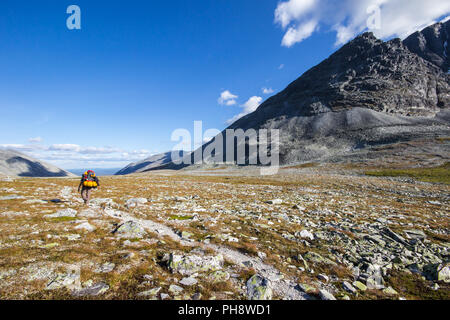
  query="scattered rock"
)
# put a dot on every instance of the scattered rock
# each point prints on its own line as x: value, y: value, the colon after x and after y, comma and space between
x: 188, y: 281
x: 325, y: 295
x: 305, y: 234
x: 219, y: 276
x: 105, y: 268
x: 348, y: 287
x: 131, y: 203
x: 190, y: 264
x: 361, y: 286
x: 275, y: 201
x: 318, y: 259
x: 94, y: 290
x: 131, y: 230
x: 415, y: 234
x: 258, y: 288
x: 69, y: 213
x: 390, y: 291
x: 85, y: 226
x: 175, y: 289
x: 151, y: 292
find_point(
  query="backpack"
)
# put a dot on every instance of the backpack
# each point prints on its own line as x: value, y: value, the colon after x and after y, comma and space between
x: 89, y: 179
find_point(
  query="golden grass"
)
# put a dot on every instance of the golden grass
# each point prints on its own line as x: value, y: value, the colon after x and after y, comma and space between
x: 439, y: 174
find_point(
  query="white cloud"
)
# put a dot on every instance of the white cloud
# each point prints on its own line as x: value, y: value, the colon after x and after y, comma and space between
x: 292, y: 10
x: 227, y: 98
x: 267, y: 90
x: 398, y: 18
x: 250, y: 106
x: 75, y: 156
x: 65, y: 147
x: 35, y: 140
x: 281, y: 67
x: 299, y: 33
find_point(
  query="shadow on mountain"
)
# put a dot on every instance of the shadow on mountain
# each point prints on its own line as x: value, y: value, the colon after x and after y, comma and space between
x: 35, y: 169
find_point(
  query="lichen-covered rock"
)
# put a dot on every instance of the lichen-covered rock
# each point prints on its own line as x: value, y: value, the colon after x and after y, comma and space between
x: 258, y: 288
x: 219, y: 276
x: 69, y: 280
x: 131, y: 230
x: 69, y: 213
x: 190, y: 264
x: 318, y: 259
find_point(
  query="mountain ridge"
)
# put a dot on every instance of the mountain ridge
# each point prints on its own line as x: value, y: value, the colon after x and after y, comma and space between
x: 14, y: 163
x: 369, y: 92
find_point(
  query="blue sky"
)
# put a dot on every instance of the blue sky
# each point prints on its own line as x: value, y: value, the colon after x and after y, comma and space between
x: 114, y: 91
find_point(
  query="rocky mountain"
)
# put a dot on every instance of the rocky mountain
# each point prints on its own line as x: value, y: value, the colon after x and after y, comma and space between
x: 432, y: 44
x: 368, y: 93
x: 151, y: 163
x: 13, y: 163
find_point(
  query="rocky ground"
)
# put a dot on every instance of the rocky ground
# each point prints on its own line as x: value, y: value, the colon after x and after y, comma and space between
x: 319, y: 232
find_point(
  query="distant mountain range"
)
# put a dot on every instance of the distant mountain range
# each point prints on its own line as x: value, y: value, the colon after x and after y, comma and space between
x: 13, y: 163
x: 151, y: 163
x: 368, y: 93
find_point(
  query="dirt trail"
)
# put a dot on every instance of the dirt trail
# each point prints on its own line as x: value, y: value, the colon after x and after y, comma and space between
x: 285, y: 288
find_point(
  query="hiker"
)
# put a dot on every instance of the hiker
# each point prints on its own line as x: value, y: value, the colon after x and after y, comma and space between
x: 88, y: 182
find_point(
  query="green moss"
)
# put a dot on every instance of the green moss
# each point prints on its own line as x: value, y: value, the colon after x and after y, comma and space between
x: 63, y: 219
x: 411, y: 286
x: 175, y: 217
x: 439, y: 174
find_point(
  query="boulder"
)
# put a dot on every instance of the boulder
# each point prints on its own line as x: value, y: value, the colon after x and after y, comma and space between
x: 258, y: 288
x: 131, y: 230
x: 191, y: 264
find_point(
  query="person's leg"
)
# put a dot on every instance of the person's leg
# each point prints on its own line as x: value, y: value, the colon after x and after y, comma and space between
x: 84, y: 194
x: 88, y: 195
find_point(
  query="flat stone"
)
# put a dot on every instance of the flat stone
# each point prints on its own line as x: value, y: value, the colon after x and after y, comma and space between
x: 307, y: 288
x: 151, y: 292
x: 188, y: 281
x: 348, y: 287
x: 175, y: 289
x: 275, y: 201
x: 105, y: 268
x: 390, y: 291
x: 85, y: 226
x: 95, y: 290
x: 305, y: 234
x: 325, y: 295
x: 131, y: 230
x: 361, y: 286
x: 415, y: 234
x: 69, y: 213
